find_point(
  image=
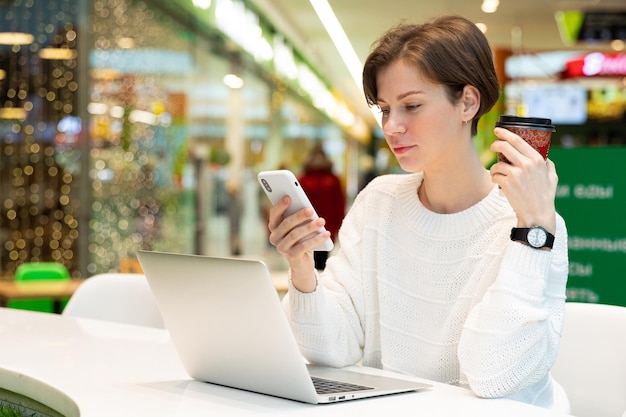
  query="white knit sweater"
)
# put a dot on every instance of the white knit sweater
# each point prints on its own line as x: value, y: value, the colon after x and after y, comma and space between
x: 448, y: 297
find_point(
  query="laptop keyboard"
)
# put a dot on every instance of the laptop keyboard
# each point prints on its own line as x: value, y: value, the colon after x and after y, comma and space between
x: 326, y: 386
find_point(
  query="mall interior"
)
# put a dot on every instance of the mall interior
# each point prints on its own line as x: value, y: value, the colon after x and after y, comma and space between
x: 141, y: 125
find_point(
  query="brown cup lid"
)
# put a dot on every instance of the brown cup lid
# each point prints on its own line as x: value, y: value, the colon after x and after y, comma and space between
x: 536, y: 123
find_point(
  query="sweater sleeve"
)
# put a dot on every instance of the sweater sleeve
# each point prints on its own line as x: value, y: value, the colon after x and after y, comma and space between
x: 510, y: 338
x: 327, y: 323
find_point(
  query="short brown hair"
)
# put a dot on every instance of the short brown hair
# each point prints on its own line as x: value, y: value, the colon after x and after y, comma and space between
x: 448, y: 50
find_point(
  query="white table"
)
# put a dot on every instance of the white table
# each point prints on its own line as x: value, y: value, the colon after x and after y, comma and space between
x: 104, y: 369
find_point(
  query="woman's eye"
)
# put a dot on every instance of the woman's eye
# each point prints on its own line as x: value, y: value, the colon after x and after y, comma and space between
x: 412, y: 106
x: 383, y: 111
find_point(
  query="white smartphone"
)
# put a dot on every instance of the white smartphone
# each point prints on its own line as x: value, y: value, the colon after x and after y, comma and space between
x: 282, y: 182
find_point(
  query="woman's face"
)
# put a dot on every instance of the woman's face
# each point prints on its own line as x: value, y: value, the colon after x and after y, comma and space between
x: 422, y: 127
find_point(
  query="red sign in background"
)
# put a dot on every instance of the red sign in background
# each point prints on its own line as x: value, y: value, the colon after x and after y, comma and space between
x: 596, y: 64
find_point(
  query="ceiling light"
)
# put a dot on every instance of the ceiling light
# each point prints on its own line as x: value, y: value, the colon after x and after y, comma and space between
x: 344, y: 47
x: 142, y: 116
x: 13, y: 113
x: 126, y: 43
x: 482, y: 27
x: 97, y: 108
x: 117, y: 112
x: 16, y: 38
x: 490, y: 6
x: 233, y: 81
x: 57, y: 53
x: 345, y: 116
x: 202, y: 4
x: 618, y: 45
x: 340, y: 39
x: 105, y: 74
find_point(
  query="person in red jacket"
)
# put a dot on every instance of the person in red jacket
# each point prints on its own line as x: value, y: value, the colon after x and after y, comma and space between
x: 326, y: 193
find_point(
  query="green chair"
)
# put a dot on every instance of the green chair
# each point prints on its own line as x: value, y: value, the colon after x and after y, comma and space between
x: 41, y: 271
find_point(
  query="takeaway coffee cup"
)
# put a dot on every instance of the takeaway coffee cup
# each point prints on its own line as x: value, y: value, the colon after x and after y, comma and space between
x: 534, y: 130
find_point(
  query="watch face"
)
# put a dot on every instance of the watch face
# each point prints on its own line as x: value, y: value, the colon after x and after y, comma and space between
x: 537, y: 237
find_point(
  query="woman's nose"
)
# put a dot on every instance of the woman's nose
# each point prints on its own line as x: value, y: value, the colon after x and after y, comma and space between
x: 393, y: 124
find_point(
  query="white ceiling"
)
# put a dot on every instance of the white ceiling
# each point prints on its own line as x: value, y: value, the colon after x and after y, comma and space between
x: 365, y: 20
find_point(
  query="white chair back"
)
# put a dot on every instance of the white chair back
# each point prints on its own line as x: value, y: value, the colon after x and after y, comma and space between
x: 591, y: 364
x: 118, y: 297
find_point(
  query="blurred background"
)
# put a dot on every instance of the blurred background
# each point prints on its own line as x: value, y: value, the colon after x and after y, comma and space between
x: 141, y: 124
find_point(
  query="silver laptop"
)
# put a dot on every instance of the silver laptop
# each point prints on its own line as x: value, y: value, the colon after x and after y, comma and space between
x: 227, y: 324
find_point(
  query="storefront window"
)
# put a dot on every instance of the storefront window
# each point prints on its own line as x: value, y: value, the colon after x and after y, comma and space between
x: 39, y: 133
x: 132, y: 135
x: 142, y: 68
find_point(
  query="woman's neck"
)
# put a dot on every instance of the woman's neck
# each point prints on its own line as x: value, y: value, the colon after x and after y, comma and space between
x: 457, y: 189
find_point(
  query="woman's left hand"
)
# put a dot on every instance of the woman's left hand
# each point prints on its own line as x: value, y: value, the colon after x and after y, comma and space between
x: 528, y: 181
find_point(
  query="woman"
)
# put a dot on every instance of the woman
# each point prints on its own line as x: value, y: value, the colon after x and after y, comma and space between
x: 428, y: 280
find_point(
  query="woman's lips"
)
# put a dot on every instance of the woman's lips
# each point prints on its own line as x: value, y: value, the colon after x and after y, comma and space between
x: 401, y: 150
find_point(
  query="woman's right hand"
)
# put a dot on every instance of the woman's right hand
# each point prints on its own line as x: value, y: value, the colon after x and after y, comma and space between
x: 286, y: 235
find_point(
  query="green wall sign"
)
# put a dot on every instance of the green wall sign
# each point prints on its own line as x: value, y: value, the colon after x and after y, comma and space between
x: 591, y: 197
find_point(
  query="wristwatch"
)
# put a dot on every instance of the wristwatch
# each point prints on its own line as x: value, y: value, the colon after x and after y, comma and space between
x: 536, y: 237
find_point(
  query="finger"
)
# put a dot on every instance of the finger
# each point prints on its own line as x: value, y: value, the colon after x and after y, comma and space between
x: 507, y: 155
x: 277, y: 212
x: 287, y: 231
x: 503, y: 147
x: 303, y: 238
x: 517, y: 142
x: 307, y: 230
x: 500, y: 169
x: 554, y: 178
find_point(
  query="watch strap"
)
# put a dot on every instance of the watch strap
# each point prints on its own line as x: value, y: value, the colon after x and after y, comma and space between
x: 520, y: 234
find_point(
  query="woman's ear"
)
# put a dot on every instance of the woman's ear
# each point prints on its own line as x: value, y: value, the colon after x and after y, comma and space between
x: 471, y: 102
